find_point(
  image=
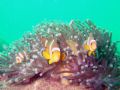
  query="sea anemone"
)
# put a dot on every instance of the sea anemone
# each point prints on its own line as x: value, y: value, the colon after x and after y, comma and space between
x: 85, y: 55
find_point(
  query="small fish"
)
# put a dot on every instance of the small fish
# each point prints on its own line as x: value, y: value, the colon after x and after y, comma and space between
x: 52, y: 52
x: 90, y: 45
x: 72, y: 44
x: 20, y: 57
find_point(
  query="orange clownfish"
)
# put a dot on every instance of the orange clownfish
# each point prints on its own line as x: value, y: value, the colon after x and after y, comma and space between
x: 90, y: 45
x: 52, y: 52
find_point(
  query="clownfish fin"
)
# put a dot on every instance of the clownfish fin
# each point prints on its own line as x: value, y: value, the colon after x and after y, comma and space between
x: 89, y: 53
x: 86, y: 47
x: 46, y: 54
x: 63, y: 55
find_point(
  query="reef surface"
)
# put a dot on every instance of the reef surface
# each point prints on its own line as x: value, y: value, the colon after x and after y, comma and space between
x: 42, y: 84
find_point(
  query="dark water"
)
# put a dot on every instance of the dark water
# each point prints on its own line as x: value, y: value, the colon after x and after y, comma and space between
x: 18, y: 16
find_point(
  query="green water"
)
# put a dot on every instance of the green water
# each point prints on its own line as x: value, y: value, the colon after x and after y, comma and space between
x: 18, y: 16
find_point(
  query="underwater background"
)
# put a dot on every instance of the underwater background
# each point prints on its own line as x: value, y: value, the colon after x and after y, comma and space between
x: 84, y: 51
x: 18, y: 16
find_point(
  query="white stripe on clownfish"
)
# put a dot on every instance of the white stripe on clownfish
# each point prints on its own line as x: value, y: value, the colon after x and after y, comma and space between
x: 20, y: 57
x: 90, y: 40
x: 52, y: 48
x: 46, y: 41
x: 90, y: 44
x: 25, y: 53
x: 55, y: 49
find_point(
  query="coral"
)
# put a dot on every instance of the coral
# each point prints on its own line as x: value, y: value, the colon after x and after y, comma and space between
x: 87, y: 56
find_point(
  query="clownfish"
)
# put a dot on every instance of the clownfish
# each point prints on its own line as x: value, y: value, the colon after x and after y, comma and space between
x: 90, y: 45
x: 52, y: 52
x: 72, y: 44
x: 20, y: 57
